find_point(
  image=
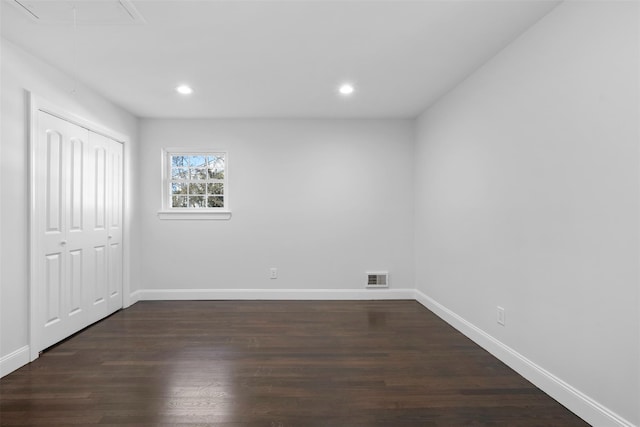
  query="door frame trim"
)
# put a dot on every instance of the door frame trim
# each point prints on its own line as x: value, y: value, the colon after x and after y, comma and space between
x: 36, y: 103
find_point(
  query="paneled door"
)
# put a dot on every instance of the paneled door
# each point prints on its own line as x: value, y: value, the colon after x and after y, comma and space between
x: 106, y: 224
x: 77, y: 225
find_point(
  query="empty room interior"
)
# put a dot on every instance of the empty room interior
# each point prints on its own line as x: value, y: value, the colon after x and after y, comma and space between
x: 310, y: 213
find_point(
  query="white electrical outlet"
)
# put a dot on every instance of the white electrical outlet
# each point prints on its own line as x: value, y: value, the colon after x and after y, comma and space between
x: 501, y: 316
x: 273, y: 273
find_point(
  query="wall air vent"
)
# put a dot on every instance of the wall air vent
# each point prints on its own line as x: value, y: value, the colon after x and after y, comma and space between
x: 95, y: 12
x: 377, y: 279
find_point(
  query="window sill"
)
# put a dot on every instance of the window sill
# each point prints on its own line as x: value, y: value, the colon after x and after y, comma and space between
x: 195, y: 215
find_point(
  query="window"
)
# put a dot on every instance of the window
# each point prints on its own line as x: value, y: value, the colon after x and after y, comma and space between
x: 194, y: 182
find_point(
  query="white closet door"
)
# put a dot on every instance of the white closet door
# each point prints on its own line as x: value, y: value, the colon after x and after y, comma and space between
x: 77, y: 276
x: 97, y: 176
x: 107, y: 154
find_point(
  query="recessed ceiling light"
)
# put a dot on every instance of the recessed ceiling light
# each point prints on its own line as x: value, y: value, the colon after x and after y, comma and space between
x: 184, y: 90
x: 346, y: 89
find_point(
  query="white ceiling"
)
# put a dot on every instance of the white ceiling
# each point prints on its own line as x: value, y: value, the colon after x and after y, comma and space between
x: 276, y: 58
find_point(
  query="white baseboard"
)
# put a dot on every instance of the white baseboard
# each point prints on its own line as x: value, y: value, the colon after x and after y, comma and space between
x: 14, y: 360
x: 134, y: 297
x: 576, y: 401
x: 272, y: 294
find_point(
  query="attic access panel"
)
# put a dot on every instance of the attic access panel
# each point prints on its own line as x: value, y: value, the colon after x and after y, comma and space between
x: 97, y: 12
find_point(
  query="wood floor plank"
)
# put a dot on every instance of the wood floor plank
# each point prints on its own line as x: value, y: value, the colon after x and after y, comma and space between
x: 273, y: 363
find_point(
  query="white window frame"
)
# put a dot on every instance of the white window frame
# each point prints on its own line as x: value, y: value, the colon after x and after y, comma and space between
x: 169, y: 212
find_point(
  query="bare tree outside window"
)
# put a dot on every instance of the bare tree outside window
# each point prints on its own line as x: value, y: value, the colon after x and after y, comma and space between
x: 197, y: 181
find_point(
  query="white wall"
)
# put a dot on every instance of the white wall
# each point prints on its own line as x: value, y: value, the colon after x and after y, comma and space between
x: 321, y: 200
x: 22, y: 71
x: 527, y: 197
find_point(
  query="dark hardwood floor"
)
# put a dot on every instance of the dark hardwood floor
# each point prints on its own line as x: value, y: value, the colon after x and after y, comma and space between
x: 273, y: 363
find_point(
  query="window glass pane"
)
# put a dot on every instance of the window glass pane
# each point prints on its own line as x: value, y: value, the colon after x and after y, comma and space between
x: 196, y: 180
x: 215, y: 202
x: 178, y: 188
x: 197, y: 188
x: 215, y: 188
x: 215, y: 162
x: 198, y: 161
x: 179, y: 173
x: 216, y: 174
x: 198, y: 173
x: 179, y: 202
x: 216, y: 167
x: 179, y: 161
x: 196, y: 202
